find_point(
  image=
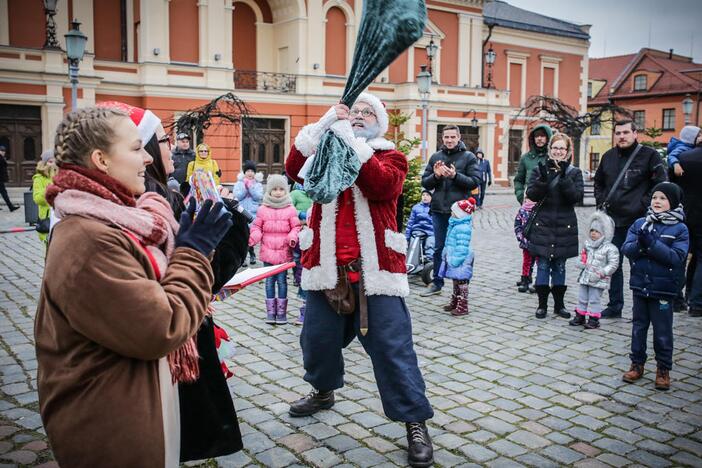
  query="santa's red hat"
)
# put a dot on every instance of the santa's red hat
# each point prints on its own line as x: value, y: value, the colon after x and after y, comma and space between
x: 145, y: 120
x: 378, y: 108
x: 463, y: 208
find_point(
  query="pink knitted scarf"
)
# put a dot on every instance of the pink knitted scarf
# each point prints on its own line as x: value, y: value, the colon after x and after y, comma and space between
x: 150, y: 220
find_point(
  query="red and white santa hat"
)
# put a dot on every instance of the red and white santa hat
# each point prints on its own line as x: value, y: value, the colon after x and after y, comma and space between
x: 463, y: 208
x: 379, y: 108
x: 145, y: 120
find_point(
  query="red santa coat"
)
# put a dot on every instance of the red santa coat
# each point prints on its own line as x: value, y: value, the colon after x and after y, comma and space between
x: 375, y: 194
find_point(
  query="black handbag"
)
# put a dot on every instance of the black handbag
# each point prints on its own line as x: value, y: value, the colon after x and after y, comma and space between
x: 208, y: 424
x: 43, y: 225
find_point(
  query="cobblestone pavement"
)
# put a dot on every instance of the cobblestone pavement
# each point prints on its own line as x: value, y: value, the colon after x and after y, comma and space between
x: 507, y: 389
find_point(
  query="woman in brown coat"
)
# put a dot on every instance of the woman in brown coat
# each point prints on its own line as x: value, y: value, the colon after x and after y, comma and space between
x: 125, y: 289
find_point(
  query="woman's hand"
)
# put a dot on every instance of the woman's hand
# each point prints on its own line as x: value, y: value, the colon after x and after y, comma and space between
x: 563, y: 166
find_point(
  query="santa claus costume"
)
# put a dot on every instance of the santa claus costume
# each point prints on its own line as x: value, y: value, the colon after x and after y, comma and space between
x: 355, y: 238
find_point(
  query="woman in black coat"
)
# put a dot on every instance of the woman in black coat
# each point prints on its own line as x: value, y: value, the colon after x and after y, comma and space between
x: 556, y: 186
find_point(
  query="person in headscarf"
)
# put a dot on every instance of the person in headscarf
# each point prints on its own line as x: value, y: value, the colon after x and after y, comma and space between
x: 204, y: 162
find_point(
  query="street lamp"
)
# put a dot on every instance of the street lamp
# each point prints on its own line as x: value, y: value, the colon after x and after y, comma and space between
x: 432, y: 48
x: 687, y: 108
x: 50, y: 12
x: 490, y: 57
x: 424, y: 86
x: 474, y: 120
x: 75, y: 48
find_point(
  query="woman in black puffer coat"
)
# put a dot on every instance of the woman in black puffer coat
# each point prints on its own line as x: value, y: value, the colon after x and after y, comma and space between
x: 553, y: 238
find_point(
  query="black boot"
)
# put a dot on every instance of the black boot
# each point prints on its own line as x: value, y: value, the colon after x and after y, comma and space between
x: 542, y: 291
x: 312, y: 403
x: 578, y: 320
x: 420, y: 452
x: 524, y: 286
x: 559, y: 306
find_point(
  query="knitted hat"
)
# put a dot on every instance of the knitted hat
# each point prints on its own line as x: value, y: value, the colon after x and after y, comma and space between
x: 46, y: 155
x: 248, y: 166
x: 689, y: 134
x: 463, y: 208
x: 427, y: 191
x: 145, y: 120
x: 276, y: 181
x: 183, y: 136
x: 379, y: 108
x: 671, y: 191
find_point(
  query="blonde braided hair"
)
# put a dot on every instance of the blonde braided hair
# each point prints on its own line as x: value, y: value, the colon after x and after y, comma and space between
x: 83, y: 131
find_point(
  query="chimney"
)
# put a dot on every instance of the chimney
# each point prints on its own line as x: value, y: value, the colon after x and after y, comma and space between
x: 670, y: 54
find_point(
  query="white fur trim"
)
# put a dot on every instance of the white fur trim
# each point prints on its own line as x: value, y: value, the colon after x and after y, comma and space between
x: 396, y: 241
x: 377, y: 282
x: 147, y: 126
x: 363, y: 151
x: 324, y: 276
x: 380, y: 112
x: 380, y: 143
x: 307, y: 140
x: 302, y: 173
x: 259, y: 177
x: 240, y: 177
x: 305, y: 238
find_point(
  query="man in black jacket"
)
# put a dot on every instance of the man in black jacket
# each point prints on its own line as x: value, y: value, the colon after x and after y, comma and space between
x: 631, y: 196
x: 451, y: 173
x: 182, y: 156
x: 691, y: 183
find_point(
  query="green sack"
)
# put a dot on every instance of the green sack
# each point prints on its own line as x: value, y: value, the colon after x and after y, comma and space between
x: 388, y: 27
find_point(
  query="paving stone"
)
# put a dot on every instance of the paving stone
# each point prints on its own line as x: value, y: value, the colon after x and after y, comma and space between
x: 364, y: 457
x: 562, y: 454
x: 298, y: 443
x: 320, y: 431
x: 507, y: 448
x: 321, y: 457
x: 495, y: 425
x: 529, y: 439
x: 23, y: 457
x: 235, y: 460
x: 276, y: 457
x: 478, y: 453
x: 532, y: 459
x: 647, y: 458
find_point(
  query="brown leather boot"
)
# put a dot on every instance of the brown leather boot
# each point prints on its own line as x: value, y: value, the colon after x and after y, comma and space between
x: 662, y: 379
x: 454, y: 299
x: 635, y: 373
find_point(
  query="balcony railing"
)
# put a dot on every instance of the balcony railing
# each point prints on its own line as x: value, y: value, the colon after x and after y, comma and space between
x: 265, y: 81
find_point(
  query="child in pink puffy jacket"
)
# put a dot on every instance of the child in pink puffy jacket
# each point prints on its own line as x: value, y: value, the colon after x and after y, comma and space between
x: 276, y: 227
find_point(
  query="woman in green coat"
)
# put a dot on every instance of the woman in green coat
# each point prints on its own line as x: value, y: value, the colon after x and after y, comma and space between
x: 46, y: 169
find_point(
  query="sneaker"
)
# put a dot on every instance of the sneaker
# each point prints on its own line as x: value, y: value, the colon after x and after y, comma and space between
x: 420, y: 452
x: 579, y: 320
x: 635, y: 373
x: 431, y: 290
x: 592, y: 323
x: 312, y: 403
x: 662, y: 379
x: 611, y: 313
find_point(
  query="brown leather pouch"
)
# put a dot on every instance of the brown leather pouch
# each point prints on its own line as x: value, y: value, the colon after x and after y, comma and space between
x: 341, y: 298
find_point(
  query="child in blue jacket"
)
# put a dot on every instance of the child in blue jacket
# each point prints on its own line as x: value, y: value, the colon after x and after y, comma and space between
x: 657, y: 247
x: 420, y: 221
x: 457, y: 256
x: 688, y: 137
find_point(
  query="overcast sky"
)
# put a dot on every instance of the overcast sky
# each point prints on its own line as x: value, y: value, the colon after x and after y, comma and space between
x: 625, y: 26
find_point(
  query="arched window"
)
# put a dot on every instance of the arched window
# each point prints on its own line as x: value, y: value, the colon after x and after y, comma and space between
x: 335, y: 42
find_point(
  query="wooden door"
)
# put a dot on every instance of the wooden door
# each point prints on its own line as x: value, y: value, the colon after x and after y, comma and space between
x: 264, y: 143
x: 20, y: 134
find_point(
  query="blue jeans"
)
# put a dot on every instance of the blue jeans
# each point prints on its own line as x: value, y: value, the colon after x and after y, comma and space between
x: 550, y: 269
x: 281, y: 279
x: 648, y: 311
x: 616, y: 287
x: 388, y: 342
x: 440, y: 222
x: 481, y: 195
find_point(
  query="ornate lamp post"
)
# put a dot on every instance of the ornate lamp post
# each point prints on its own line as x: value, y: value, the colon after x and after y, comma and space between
x: 474, y: 120
x: 75, y: 48
x: 424, y: 86
x: 50, y: 12
x: 687, y: 108
x: 490, y: 57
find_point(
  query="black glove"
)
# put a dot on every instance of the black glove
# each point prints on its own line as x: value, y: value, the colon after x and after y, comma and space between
x: 646, y: 238
x: 562, y: 166
x: 205, y: 231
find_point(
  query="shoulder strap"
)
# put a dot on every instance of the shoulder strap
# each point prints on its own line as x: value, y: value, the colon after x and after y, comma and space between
x: 152, y: 260
x: 619, y: 178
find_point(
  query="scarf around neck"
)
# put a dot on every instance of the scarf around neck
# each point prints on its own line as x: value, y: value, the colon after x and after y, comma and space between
x: 91, y: 194
x: 277, y: 202
x: 669, y: 217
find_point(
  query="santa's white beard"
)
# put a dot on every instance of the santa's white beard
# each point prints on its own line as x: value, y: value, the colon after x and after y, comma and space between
x: 367, y: 132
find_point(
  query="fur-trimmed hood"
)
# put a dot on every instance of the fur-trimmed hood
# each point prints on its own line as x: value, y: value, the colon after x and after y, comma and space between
x: 602, y: 223
x: 258, y: 177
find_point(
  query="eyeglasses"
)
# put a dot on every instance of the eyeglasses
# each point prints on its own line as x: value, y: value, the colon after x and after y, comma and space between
x: 366, y: 112
x: 165, y: 139
x: 557, y: 149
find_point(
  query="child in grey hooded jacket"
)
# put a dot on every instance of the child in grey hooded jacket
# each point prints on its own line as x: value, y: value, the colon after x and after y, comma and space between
x: 599, y: 260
